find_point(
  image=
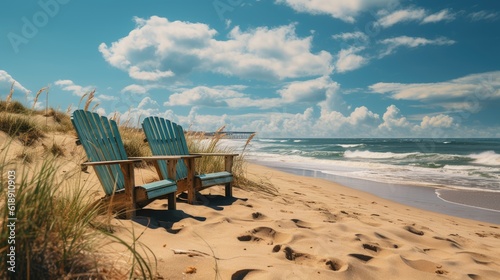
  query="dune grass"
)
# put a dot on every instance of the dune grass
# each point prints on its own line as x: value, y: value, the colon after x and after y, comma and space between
x: 20, y: 127
x: 199, y: 143
x: 59, y: 230
x: 57, y: 235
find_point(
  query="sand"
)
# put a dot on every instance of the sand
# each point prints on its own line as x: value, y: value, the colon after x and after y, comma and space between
x: 313, y: 229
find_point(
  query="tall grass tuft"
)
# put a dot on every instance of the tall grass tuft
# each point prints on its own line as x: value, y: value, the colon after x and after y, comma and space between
x: 199, y: 143
x: 57, y: 234
x: 90, y: 98
x: 20, y: 126
x: 15, y: 107
x: 51, y: 237
x: 62, y: 120
x: 37, y: 95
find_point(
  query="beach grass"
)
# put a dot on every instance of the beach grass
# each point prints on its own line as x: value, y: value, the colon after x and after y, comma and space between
x: 21, y: 127
x: 198, y: 143
x: 59, y: 231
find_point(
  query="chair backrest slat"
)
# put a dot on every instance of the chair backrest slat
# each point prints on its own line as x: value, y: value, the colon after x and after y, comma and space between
x: 102, y: 142
x: 166, y: 138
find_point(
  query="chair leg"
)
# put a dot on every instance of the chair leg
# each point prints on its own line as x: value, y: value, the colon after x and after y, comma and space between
x: 229, y: 190
x: 172, y: 201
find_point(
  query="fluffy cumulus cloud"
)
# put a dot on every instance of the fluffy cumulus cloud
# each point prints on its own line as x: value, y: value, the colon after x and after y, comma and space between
x: 310, y: 91
x: 203, y: 96
x: 144, y: 107
x: 394, y: 121
x: 360, y: 122
x: 158, y: 49
x: 411, y: 42
x: 436, y: 121
x: 422, y: 16
x: 315, y: 91
x: 68, y: 85
x: 134, y: 88
x: 346, y: 10
x: 465, y: 93
x: 6, y: 82
x: 350, y: 59
x: 219, y: 96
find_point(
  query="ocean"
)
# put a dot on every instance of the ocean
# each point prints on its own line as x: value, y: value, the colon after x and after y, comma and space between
x: 467, y: 164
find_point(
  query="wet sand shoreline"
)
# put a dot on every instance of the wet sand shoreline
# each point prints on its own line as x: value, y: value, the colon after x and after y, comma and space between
x: 476, y: 205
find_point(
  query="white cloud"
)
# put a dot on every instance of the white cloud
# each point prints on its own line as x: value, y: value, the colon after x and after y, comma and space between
x: 308, y: 91
x: 483, y: 85
x: 136, y: 73
x: 361, y: 122
x: 436, y: 121
x: 348, y: 59
x: 466, y: 93
x: 68, y: 85
x: 413, y: 14
x: 345, y: 10
x: 394, y: 121
x: 203, y: 96
x: 6, y: 81
x: 146, y: 107
x: 401, y: 16
x: 158, y: 48
x: 411, y: 42
x: 103, y: 97
x: 358, y: 35
x: 483, y: 15
x: 439, y: 16
x: 134, y: 88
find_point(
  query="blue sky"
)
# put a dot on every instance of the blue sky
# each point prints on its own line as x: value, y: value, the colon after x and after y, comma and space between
x: 283, y: 68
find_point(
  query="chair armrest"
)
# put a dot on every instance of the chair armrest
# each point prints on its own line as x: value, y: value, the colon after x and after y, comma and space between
x: 153, y: 158
x: 215, y: 154
x: 109, y: 162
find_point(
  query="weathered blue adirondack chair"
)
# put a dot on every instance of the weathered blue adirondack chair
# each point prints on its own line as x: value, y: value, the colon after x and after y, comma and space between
x: 167, y: 138
x: 106, y: 154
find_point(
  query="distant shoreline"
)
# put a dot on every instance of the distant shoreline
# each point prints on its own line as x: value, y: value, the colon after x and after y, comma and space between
x: 465, y: 204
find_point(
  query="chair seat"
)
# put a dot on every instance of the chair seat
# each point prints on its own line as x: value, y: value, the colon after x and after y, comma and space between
x: 159, y: 188
x: 217, y: 178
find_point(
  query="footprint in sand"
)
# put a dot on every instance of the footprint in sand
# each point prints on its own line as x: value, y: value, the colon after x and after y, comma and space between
x: 258, y: 216
x: 452, y: 242
x: 383, y: 242
x: 266, y: 235
x: 361, y: 257
x: 312, y: 261
x: 414, y: 230
x: 241, y: 274
x: 425, y: 265
x: 302, y: 224
x: 477, y: 258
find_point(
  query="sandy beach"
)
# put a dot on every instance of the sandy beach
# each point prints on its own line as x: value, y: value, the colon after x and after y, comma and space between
x: 313, y: 228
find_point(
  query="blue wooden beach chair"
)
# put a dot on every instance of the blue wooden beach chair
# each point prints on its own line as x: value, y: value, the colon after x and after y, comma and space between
x: 167, y: 138
x: 103, y: 145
